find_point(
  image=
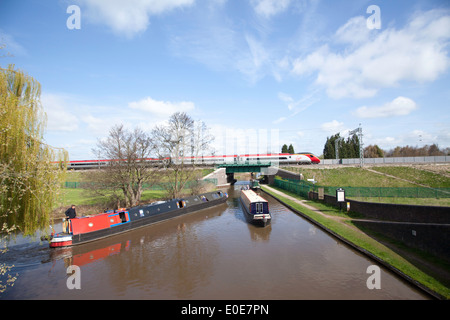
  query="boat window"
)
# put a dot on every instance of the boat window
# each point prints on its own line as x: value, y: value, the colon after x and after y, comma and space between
x: 123, y: 216
x: 259, y: 208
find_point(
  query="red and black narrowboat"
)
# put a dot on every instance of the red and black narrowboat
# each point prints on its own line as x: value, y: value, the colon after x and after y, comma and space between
x: 85, y: 229
x: 256, y: 208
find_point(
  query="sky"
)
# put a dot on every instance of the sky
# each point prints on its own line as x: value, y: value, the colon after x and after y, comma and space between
x: 258, y: 73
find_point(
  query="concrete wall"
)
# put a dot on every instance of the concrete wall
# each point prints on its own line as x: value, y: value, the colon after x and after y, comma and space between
x: 285, y: 174
x: 220, y: 175
x: 428, y: 237
x: 422, y: 227
x: 394, y: 212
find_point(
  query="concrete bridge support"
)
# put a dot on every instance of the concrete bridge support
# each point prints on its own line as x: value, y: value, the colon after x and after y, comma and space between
x: 230, y: 178
x: 222, y: 177
x: 271, y: 172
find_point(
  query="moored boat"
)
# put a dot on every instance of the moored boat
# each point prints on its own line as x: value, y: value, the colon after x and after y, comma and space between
x: 85, y: 229
x: 256, y: 208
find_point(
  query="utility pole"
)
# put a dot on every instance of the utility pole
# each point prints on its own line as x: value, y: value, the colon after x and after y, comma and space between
x: 336, y: 147
x: 361, y: 150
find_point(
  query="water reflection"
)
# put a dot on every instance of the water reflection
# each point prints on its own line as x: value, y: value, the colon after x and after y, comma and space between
x: 211, y: 254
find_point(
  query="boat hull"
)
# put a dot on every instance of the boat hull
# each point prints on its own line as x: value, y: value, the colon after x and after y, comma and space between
x: 139, y: 217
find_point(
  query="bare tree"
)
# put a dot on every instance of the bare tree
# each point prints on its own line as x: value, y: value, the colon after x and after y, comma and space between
x: 128, y: 169
x: 181, y: 143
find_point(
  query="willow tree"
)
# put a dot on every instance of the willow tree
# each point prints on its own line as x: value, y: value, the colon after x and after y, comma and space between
x: 31, y: 172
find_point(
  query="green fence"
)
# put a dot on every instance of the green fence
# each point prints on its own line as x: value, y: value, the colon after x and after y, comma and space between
x: 302, y: 188
x: 158, y: 186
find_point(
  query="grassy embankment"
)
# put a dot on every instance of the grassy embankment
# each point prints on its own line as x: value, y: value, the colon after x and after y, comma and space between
x: 341, y: 224
x: 382, y: 176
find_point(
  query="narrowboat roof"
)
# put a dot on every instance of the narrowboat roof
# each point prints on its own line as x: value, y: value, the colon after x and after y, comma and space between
x: 252, y: 196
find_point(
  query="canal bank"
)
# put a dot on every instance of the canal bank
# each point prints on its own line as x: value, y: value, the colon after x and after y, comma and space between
x: 343, y: 229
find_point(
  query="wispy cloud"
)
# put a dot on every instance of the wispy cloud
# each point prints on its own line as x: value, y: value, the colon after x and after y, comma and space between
x: 279, y: 120
x: 268, y: 8
x: 297, y: 106
x: 9, y: 46
x: 380, y: 59
x: 128, y: 17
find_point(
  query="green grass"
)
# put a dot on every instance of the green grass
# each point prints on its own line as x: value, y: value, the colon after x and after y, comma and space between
x: 359, y: 177
x: 416, y: 175
x: 363, y: 241
x: 351, y: 176
x: 81, y: 197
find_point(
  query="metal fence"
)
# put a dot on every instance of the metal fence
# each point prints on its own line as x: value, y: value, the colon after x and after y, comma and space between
x: 395, y: 160
x: 302, y: 188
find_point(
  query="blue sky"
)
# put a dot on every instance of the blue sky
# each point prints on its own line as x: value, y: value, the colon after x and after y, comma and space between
x: 259, y: 73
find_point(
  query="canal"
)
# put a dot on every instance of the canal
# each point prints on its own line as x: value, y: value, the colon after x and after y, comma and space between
x: 210, y: 254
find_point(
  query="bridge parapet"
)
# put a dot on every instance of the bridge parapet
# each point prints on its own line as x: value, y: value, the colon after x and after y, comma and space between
x: 251, y: 166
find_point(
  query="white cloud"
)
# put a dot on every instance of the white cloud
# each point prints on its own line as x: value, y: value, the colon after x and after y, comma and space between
x: 131, y: 16
x: 333, y: 127
x: 60, y: 112
x: 268, y: 8
x: 380, y: 59
x: 400, y: 106
x: 161, y: 108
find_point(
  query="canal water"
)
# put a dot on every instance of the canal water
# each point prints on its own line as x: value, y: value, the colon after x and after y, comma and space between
x: 210, y: 254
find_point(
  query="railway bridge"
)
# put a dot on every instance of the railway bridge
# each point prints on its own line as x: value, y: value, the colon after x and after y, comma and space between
x: 225, y: 172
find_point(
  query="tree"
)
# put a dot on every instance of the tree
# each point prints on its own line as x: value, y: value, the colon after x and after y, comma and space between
x: 346, y: 148
x: 410, y: 151
x: 31, y: 172
x: 350, y: 148
x: 181, y: 141
x: 329, y: 151
x: 30, y: 177
x: 291, y: 149
x: 126, y: 174
x: 284, y: 148
x: 373, y: 151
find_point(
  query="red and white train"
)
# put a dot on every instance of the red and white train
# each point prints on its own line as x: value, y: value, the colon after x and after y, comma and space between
x: 282, y: 158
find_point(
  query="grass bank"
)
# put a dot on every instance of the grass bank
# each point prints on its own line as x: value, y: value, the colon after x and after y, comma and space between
x: 373, y: 176
x: 341, y: 226
x: 383, y: 176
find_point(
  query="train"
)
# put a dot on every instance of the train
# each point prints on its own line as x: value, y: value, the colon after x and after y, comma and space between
x: 304, y: 158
